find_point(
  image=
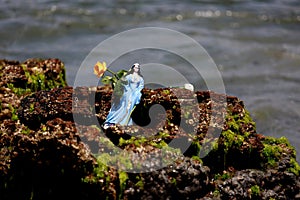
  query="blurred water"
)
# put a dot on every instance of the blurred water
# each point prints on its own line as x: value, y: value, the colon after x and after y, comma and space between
x: 255, y: 44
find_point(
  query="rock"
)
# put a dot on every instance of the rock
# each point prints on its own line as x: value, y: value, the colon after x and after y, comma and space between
x: 19, y: 79
x: 58, y: 103
x: 51, y: 144
x: 48, y: 161
x: 258, y: 184
x: 188, y: 179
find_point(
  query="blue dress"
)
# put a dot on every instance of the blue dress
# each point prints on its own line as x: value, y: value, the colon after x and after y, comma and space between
x: 120, y: 113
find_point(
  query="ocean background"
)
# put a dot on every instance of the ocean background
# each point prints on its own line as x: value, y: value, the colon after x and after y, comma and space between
x: 255, y: 44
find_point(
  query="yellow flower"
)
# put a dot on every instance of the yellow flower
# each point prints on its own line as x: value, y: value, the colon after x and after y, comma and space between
x: 99, y: 69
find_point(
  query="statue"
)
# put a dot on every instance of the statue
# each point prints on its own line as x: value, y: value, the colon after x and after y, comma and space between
x: 120, y: 111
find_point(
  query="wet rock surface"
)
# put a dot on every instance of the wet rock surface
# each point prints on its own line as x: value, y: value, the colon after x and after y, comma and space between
x: 184, y: 179
x: 257, y: 184
x: 52, y: 145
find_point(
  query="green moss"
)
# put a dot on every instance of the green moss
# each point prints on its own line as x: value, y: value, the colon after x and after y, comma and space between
x: 234, y: 136
x: 115, y: 159
x: 232, y: 124
x: 186, y: 115
x: 232, y: 139
x: 195, y: 148
x: 100, y: 174
x: 44, y: 128
x: 122, y: 159
x: 272, y: 154
x: 246, y: 118
x: 39, y: 81
x: 163, y: 135
x: 18, y: 90
x: 31, y: 108
x: 162, y: 145
x: 276, y: 141
x: 226, y: 175
x: 106, y: 142
x: 216, y: 193
x: 14, y: 115
x: 133, y: 140
x: 26, y: 131
x: 196, y: 158
x: 140, y: 182
x: 99, y: 171
x: 274, y: 149
x: 255, y: 191
x: 166, y: 91
x: 156, y: 141
x: 123, y: 176
x: 102, y: 164
x: 173, y: 181
x: 295, y: 168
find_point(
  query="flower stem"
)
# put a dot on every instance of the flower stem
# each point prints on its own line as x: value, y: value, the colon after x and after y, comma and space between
x: 115, y: 75
x: 110, y: 71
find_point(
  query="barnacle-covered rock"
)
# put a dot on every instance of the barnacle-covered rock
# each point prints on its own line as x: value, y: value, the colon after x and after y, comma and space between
x: 184, y: 145
x: 19, y: 79
x: 49, y: 161
x: 235, y: 143
x: 185, y: 179
x: 258, y: 184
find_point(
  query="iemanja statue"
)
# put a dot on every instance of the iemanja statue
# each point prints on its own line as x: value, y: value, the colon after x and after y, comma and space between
x: 120, y: 112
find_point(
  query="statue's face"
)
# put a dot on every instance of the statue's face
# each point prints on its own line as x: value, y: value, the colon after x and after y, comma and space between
x: 136, y: 68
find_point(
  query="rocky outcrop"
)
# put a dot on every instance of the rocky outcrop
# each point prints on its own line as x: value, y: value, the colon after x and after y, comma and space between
x: 52, y: 145
x: 260, y: 184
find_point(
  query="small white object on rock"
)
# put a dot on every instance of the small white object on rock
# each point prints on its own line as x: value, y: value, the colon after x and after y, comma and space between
x: 189, y: 86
